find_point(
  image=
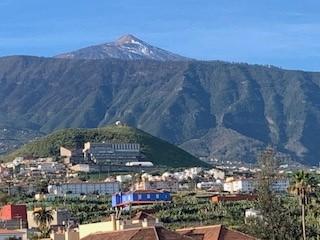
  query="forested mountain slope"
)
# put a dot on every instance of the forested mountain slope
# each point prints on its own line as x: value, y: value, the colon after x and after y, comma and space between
x: 213, y: 108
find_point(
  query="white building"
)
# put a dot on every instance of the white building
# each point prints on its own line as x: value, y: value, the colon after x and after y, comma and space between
x: 252, y: 213
x: 124, y: 178
x: 280, y: 185
x: 51, y: 167
x: 80, y: 168
x: 139, y: 164
x: 217, y: 173
x: 186, y: 186
x: 85, y: 188
x: 171, y: 185
x: 239, y: 185
x: 215, y: 186
x: 248, y: 185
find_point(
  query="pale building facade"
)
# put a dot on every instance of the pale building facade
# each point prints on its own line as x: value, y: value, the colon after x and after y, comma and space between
x: 171, y: 185
x: 249, y: 185
x: 83, y: 188
x: 60, y: 217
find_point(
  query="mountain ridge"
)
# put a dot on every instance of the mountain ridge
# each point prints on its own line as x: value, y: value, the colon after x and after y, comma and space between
x: 215, y: 109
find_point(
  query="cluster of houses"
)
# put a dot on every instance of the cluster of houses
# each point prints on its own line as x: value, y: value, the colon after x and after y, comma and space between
x: 16, y: 222
x: 213, y: 180
x: 127, y: 190
x: 23, y: 175
x: 145, y: 226
x: 20, y: 167
x: 144, y: 189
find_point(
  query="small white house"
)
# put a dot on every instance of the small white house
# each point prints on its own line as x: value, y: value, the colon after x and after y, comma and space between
x: 124, y: 178
x: 252, y: 213
x: 209, y: 185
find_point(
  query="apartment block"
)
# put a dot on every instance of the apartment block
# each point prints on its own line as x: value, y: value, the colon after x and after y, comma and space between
x: 80, y: 188
x: 112, y: 153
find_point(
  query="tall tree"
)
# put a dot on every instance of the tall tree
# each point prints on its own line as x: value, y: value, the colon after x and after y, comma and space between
x: 276, y: 222
x: 267, y: 201
x: 302, y: 186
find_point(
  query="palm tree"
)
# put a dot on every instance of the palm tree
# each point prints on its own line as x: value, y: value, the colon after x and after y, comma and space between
x: 302, y: 185
x: 43, y: 217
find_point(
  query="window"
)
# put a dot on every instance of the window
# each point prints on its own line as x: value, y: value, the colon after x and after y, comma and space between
x: 148, y: 196
x: 139, y: 196
x: 157, y: 196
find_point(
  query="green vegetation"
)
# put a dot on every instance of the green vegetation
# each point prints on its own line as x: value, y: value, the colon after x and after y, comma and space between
x: 303, y: 185
x: 282, y: 222
x: 188, y: 210
x: 278, y: 216
x: 156, y: 150
x: 86, y: 209
x: 285, y: 216
x: 281, y: 216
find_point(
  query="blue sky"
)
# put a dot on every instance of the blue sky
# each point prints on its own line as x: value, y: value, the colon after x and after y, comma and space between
x: 284, y: 33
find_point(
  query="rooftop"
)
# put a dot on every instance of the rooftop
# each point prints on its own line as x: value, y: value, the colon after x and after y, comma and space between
x: 214, y: 232
x: 142, y: 191
x: 135, y: 203
x: 6, y: 231
x: 149, y: 233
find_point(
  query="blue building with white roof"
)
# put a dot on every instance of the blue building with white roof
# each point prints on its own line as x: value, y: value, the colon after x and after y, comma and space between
x: 140, y: 197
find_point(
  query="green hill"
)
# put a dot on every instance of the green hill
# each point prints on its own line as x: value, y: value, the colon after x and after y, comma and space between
x: 156, y: 150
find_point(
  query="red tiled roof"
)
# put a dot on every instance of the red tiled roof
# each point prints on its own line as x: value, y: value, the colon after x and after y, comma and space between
x: 165, y: 234
x: 149, y: 233
x: 214, y: 232
x: 6, y: 231
x: 119, y: 235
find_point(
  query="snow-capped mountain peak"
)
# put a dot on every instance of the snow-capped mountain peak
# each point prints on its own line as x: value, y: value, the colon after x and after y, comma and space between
x: 127, y: 39
x: 126, y: 47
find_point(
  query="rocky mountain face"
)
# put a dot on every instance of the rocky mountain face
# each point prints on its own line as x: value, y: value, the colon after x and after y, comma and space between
x: 126, y: 47
x: 216, y: 109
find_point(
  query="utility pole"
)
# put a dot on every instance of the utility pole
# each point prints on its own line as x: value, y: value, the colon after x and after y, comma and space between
x: 9, y: 188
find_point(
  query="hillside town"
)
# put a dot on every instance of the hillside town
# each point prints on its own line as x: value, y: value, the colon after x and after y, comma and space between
x: 159, y: 120
x: 129, y: 185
